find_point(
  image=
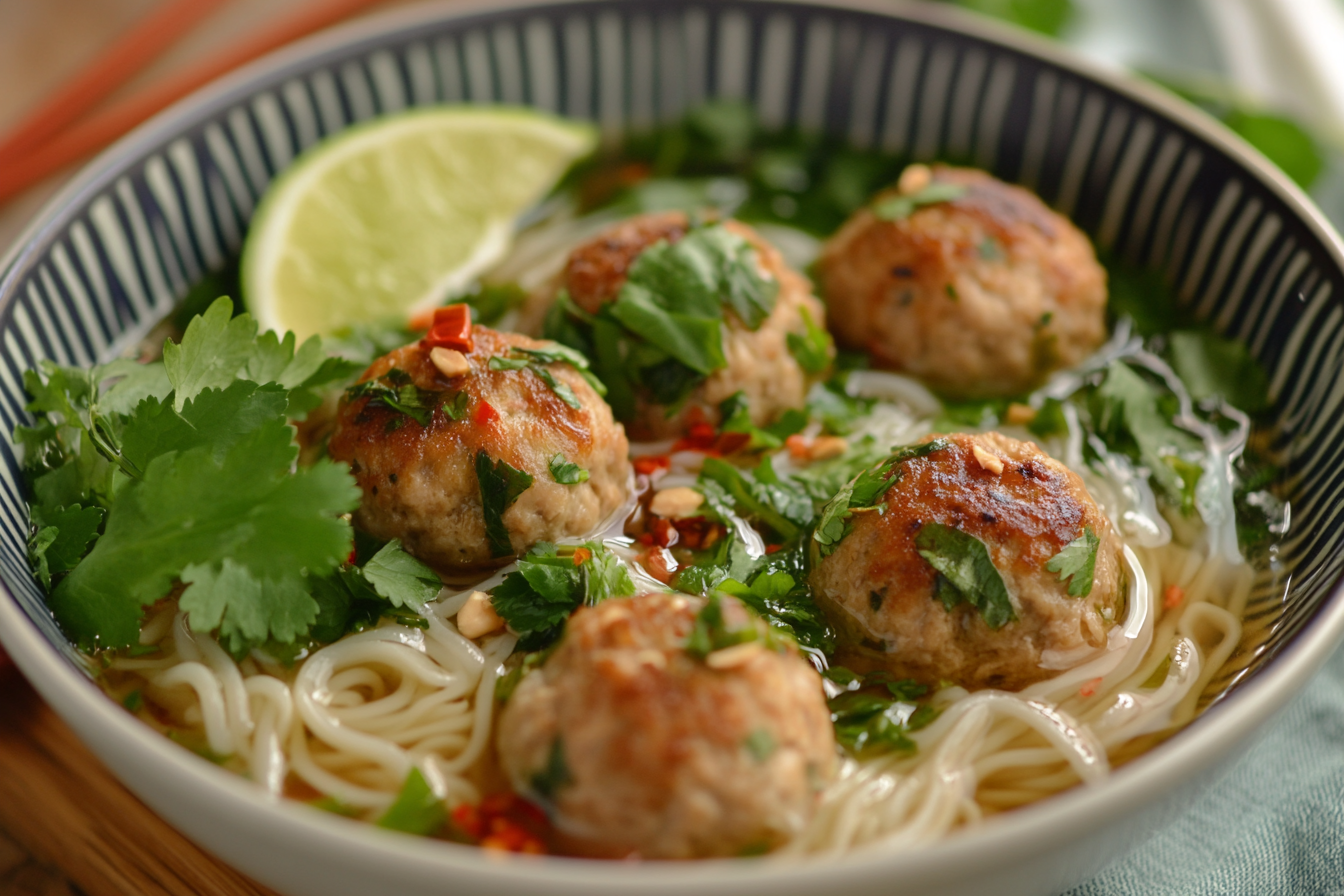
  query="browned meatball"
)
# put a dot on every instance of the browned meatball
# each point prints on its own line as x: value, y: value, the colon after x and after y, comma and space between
x: 984, y: 295
x: 639, y: 748
x: 760, y: 363
x: 420, y: 482
x: 883, y: 595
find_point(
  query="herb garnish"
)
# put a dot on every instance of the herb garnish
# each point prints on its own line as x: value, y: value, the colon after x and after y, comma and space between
x: 549, y: 585
x: 416, y: 810
x: 867, y: 722
x: 536, y: 359
x: 865, y: 492
x: 1077, y: 563
x: 548, y: 781
x: 500, y: 485
x: 897, y: 208
x: 966, y: 573
x: 395, y: 390
x: 711, y: 632
x: 566, y: 473
x: 813, y: 349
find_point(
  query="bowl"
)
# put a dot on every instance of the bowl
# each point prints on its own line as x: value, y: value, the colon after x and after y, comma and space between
x: 1149, y: 178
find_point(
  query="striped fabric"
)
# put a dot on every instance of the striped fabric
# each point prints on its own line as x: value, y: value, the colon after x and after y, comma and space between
x: 174, y: 201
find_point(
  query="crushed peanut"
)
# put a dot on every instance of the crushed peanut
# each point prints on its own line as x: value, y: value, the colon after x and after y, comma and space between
x: 478, y: 617
x: 914, y: 178
x: 650, y: 657
x: 735, y: 656
x: 675, y: 503
x: 451, y: 363
x: 1019, y: 414
x: 988, y: 462
x: 823, y: 447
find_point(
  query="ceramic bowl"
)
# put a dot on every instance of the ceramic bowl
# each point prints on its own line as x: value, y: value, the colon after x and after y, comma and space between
x: 1149, y: 178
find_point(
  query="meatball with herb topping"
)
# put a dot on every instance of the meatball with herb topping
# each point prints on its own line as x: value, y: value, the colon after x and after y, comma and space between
x: 679, y: 317
x: 975, y: 559
x: 472, y: 457
x: 970, y: 284
x: 669, y: 727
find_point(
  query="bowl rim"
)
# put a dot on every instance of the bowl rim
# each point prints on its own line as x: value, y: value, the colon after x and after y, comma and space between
x: 999, y: 843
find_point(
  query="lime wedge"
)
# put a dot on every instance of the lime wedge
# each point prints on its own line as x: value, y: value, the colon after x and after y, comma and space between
x: 391, y: 217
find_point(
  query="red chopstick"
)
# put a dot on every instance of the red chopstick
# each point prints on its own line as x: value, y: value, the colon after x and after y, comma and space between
x: 93, y: 134
x: 116, y: 65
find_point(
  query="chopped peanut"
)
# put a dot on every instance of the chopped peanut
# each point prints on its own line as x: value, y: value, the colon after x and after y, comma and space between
x: 478, y: 617
x: 827, y: 446
x: 674, y: 503
x: 989, y: 462
x: 451, y: 363
x: 735, y: 656
x: 914, y: 178
x: 1019, y: 414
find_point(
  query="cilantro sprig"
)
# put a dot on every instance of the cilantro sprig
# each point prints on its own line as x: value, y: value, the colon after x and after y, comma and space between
x: 180, y: 473
x: 500, y: 486
x: 898, y: 208
x: 551, y: 583
x: 395, y: 391
x: 536, y: 359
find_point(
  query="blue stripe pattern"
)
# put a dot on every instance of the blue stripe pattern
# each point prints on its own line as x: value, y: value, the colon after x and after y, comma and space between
x: 101, y: 272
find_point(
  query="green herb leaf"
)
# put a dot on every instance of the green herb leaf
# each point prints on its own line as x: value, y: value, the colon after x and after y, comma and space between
x: 395, y: 390
x: 246, y: 610
x: 710, y: 632
x: 402, y: 579
x: 1077, y: 562
x: 1128, y: 417
x: 785, y: 602
x: 864, y: 492
x: 1284, y: 141
x: 897, y: 208
x: 812, y: 350
x: 604, y: 575
x: 416, y: 810
x: 214, y: 348
x: 548, y: 782
x: 760, y: 743
x: 694, y: 341
x: 963, y: 560
x: 867, y: 723
x: 60, y: 539
x: 193, y: 509
x: 1212, y: 366
x: 215, y: 419
x: 500, y: 486
x: 837, y: 411
x: 782, y: 507
x: 566, y: 473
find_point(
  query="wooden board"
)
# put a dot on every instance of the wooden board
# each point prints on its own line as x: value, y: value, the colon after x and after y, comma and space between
x: 61, y: 805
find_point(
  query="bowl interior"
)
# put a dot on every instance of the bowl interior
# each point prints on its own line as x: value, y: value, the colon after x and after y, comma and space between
x: 1148, y: 179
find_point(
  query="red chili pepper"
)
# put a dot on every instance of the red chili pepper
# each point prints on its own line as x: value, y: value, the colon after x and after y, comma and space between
x: 352, y: 559
x: 773, y: 548
x: 797, y: 446
x: 660, y: 564
x: 581, y: 556
x: 485, y: 414
x: 664, y: 533
x: 451, y: 329
x: 651, y: 463
x: 468, y: 818
x: 1173, y: 596
x: 1090, y: 688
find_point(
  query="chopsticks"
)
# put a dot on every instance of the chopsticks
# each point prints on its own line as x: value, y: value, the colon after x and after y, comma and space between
x: 52, y: 138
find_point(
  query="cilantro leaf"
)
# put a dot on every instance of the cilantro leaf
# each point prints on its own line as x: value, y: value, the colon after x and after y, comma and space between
x: 245, y: 609
x: 1078, y: 562
x: 835, y: 409
x: 736, y: 416
x: 566, y: 473
x: 867, y: 723
x: 548, y: 781
x: 416, y: 809
x: 60, y: 538
x: 965, y: 565
x: 813, y: 349
x: 865, y: 491
x: 215, y: 418
x: 1128, y: 416
x: 549, y: 585
x: 214, y: 348
x: 783, y: 507
x: 195, y: 509
x: 500, y: 486
x: 395, y: 390
x: 402, y: 579
x: 710, y: 631
x: 604, y: 575
x: 695, y: 341
x: 896, y: 208
x: 785, y: 602
x: 1212, y: 366
x: 760, y: 743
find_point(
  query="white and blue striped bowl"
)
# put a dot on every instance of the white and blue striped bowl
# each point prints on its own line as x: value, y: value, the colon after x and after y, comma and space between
x: 1149, y: 178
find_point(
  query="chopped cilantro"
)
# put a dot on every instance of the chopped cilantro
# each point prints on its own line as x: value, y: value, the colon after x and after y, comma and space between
x: 813, y: 349
x: 760, y: 743
x: 536, y: 600
x: 761, y: 495
x: 897, y: 208
x: 966, y: 573
x: 1077, y: 563
x: 837, y: 411
x: 416, y: 810
x: 395, y: 390
x: 1049, y: 420
x: 60, y: 539
x: 566, y: 473
x: 1129, y: 416
x: 500, y: 486
x: 785, y: 602
x: 865, y: 492
x: 710, y: 631
x: 867, y: 723
x: 1212, y: 366
x: 548, y: 781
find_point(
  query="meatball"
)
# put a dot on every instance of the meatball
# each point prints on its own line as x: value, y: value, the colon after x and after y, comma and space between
x: 759, y: 362
x: 892, y: 608
x: 638, y: 747
x: 981, y: 296
x: 420, y: 482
